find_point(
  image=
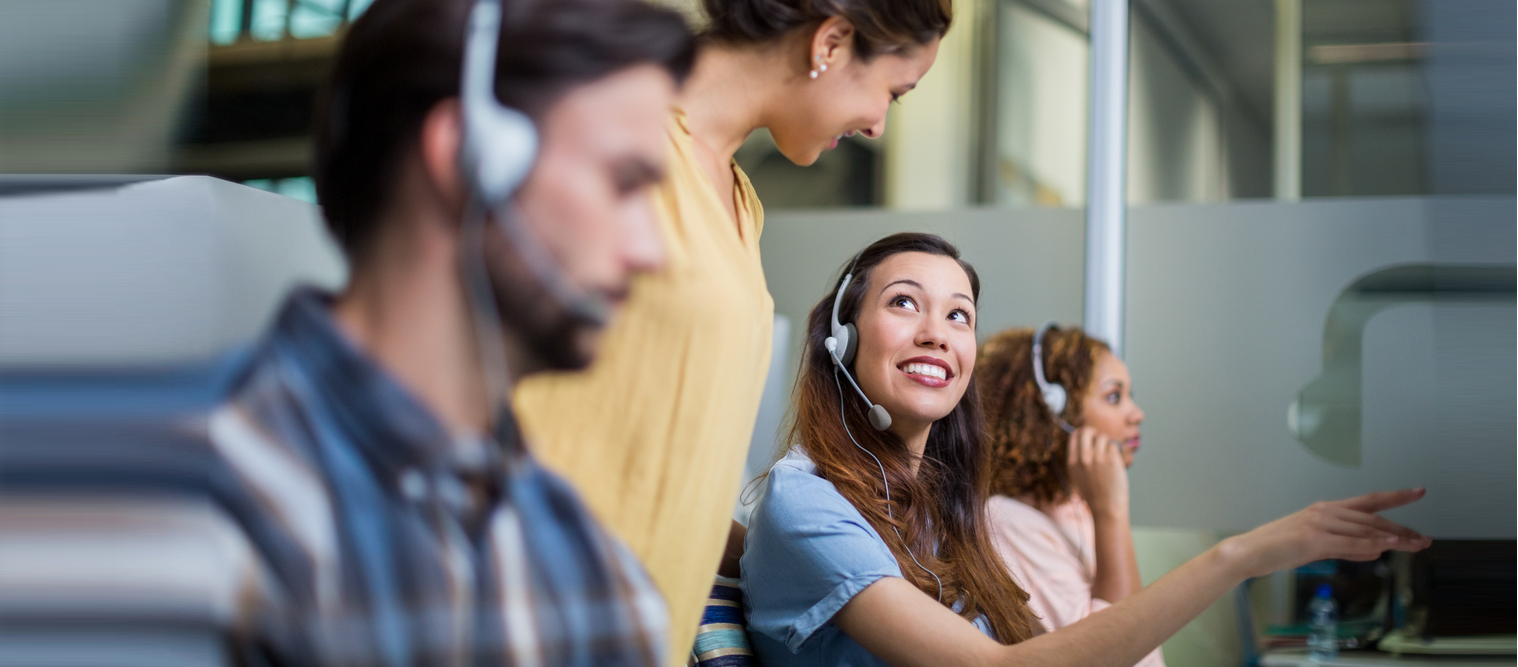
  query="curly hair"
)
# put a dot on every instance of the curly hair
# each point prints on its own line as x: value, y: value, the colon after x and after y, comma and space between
x: 1027, y: 445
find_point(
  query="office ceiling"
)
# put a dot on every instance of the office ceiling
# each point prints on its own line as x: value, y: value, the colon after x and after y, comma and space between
x: 1240, y: 35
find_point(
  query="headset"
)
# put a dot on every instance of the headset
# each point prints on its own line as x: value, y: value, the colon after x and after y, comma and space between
x: 1055, y: 397
x: 499, y: 147
x: 846, y: 336
x: 1053, y: 393
x: 500, y: 143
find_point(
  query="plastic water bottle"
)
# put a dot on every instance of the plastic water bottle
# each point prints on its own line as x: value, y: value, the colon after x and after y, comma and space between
x: 1323, y: 624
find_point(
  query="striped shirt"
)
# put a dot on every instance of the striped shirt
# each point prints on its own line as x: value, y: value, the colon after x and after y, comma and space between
x: 384, y: 540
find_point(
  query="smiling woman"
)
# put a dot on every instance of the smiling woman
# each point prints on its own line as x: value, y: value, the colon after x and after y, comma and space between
x: 672, y: 401
x: 918, y: 332
x: 910, y: 498
x: 871, y: 544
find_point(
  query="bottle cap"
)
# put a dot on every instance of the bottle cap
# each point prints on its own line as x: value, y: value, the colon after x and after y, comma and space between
x: 1325, y: 591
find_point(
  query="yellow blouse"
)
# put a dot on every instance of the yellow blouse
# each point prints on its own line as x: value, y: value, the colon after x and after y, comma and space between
x: 655, y: 433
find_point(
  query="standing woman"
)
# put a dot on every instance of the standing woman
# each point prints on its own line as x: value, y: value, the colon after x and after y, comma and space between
x: 1059, y: 516
x: 671, y: 402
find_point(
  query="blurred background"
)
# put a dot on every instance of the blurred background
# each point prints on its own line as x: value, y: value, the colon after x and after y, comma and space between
x: 1381, y: 97
x: 1320, y: 248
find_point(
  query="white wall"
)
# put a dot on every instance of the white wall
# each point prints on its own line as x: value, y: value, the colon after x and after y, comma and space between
x: 1041, y: 98
x: 929, y: 135
x: 1175, y: 135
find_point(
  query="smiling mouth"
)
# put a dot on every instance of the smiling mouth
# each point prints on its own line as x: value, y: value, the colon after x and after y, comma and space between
x: 928, y: 372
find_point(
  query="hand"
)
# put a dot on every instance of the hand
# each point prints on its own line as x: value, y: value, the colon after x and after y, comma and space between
x: 1097, y: 472
x: 1348, y: 529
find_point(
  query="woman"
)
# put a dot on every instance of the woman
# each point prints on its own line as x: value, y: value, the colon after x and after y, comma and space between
x: 1059, y: 513
x: 872, y: 546
x: 671, y: 401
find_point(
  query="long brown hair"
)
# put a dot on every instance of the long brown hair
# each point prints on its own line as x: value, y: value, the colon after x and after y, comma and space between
x: 943, y: 504
x: 880, y: 26
x: 1027, y: 445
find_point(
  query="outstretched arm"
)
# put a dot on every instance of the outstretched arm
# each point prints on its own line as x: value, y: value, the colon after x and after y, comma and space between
x: 905, y: 627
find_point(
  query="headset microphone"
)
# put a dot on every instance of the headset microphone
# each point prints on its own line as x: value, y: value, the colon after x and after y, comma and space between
x: 879, y: 418
x: 842, y: 346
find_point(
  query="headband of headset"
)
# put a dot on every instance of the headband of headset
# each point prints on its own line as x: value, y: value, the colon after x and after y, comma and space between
x: 844, y: 342
x: 500, y: 143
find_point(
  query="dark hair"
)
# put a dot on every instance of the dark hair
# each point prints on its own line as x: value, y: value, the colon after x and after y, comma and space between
x: 880, y: 26
x: 403, y: 57
x: 1027, y: 446
x: 944, y: 503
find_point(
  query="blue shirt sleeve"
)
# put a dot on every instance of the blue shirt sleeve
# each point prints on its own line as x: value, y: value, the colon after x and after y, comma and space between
x: 808, y: 552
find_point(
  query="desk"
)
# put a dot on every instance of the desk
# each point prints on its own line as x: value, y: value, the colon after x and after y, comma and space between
x: 1298, y: 658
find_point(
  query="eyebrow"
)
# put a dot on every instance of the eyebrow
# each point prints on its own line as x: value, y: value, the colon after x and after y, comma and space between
x: 918, y: 285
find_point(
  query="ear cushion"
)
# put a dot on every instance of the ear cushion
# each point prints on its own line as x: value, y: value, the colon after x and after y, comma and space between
x: 1054, y: 397
x: 851, y: 345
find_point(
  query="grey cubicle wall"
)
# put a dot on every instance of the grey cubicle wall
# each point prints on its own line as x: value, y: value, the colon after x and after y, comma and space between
x: 159, y: 273
x: 123, y: 304
x: 1226, y: 316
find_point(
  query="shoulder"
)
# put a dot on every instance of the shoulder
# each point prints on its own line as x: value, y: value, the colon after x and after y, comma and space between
x: 1020, y: 529
x: 795, y: 498
x: 1005, y: 510
x: 266, y: 473
x: 807, y: 553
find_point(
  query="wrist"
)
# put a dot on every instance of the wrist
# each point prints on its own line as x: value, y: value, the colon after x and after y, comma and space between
x: 1235, y: 557
x: 1112, y: 511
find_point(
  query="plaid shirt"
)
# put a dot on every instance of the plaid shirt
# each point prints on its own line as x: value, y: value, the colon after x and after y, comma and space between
x: 383, y: 540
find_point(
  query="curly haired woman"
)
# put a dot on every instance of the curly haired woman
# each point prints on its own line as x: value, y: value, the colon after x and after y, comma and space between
x: 1059, y: 515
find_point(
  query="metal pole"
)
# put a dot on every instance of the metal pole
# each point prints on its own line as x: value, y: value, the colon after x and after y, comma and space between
x: 245, y: 20
x: 1288, y: 116
x: 1106, y: 172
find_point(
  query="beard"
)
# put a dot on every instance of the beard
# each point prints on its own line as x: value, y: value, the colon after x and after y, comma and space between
x: 551, y: 335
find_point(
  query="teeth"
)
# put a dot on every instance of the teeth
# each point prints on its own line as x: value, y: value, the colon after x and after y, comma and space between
x: 930, y: 370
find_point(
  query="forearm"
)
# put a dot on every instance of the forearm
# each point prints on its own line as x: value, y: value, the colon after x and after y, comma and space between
x: 1123, y: 634
x: 1117, y: 574
x: 907, y: 628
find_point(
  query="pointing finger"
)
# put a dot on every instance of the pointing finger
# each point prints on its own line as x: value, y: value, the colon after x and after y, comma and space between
x: 1378, y: 522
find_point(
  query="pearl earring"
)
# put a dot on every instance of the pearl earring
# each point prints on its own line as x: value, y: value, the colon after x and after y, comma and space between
x: 821, y: 67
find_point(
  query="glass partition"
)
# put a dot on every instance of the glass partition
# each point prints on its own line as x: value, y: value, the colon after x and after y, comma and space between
x: 1392, y: 94
x: 1283, y: 352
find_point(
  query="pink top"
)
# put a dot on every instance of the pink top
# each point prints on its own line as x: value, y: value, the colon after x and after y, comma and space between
x: 1053, y: 557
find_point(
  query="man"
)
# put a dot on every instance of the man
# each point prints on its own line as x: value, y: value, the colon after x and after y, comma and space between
x: 366, y: 452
